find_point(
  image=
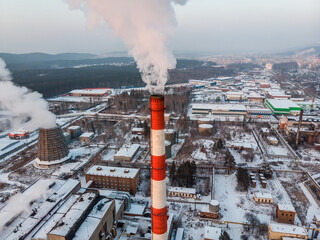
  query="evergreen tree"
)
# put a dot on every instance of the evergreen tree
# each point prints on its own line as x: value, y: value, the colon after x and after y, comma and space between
x: 229, y: 160
x: 172, y: 173
x: 224, y: 236
x: 243, y: 179
x: 220, y: 144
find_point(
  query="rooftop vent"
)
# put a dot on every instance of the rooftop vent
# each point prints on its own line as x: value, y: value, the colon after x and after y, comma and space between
x: 112, y: 170
x: 126, y: 171
x: 99, y: 168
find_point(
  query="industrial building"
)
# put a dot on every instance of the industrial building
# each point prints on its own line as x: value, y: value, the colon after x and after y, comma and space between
x: 309, y: 131
x: 277, y: 231
x: 234, y: 96
x: 86, y: 137
x: 259, y: 113
x: 212, y: 233
x: 285, y: 213
x: 255, y: 98
x: 127, y: 153
x: 57, y: 191
x: 285, y: 107
x: 211, y: 210
x: 260, y: 197
x: 117, y: 178
x: 19, y: 134
x: 219, y: 109
x: 182, y: 192
x: 277, y: 94
x: 90, y: 92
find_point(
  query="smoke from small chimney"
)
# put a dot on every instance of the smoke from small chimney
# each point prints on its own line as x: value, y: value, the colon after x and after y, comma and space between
x: 144, y: 26
x: 29, y: 109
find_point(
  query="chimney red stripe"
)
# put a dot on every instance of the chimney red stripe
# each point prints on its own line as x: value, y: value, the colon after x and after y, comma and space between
x: 158, y: 168
x: 160, y: 215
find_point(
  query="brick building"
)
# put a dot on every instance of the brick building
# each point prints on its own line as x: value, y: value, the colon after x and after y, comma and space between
x: 121, y: 179
x: 285, y: 213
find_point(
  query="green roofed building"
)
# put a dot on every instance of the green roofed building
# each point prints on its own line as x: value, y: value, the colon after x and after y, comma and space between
x: 283, y: 106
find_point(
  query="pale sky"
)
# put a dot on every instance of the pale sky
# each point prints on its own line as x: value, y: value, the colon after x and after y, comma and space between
x: 203, y: 25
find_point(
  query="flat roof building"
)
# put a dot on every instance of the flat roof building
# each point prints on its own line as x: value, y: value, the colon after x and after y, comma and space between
x: 285, y: 213
x: 117, y: 178
x: 219, y: 109
x: 127, y: 153
x: 276, y: 231
x: 286, y: 107
x: 90, y: 92
x: 212, y: 233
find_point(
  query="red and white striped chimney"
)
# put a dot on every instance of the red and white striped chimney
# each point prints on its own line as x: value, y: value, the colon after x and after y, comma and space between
x: 158, y: 170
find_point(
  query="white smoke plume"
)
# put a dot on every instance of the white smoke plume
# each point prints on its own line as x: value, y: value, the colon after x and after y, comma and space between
x: 144, y: 26
x: 29, y: 109
x: 21, y: 202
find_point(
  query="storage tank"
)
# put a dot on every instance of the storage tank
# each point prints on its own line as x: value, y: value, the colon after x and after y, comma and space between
x: 170, y: 135
x: 205, y: 129
x: 214, y: 206
x: 74, y: 131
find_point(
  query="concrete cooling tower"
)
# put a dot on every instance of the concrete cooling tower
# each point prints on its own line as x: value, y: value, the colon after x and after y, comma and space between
x: 52, y: 148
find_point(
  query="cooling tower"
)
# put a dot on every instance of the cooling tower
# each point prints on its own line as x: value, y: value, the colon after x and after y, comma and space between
x: 52, y: 147
x: 158, y: 170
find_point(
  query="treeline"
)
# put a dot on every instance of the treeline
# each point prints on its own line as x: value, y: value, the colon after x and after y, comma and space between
x: 178, y: 101
x: 185, y: 175
x: 132, y: 102
x: 52, y: 82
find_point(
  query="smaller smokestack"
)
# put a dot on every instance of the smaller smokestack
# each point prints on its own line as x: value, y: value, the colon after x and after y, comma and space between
x: 158, y: 170
x: 52, y: 147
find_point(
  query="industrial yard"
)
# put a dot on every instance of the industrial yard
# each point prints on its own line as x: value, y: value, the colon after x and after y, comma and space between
x: 231, y: 163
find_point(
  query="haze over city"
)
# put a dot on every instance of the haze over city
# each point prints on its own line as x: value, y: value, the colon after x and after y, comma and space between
x: 203, y: 26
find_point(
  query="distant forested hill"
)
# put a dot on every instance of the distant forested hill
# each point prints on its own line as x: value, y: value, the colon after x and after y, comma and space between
x: 56, y: 74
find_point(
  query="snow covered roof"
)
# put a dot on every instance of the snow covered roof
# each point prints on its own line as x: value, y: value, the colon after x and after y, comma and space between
x: 87, y: 135
x: 212, y: 233
x: 277, y: 93
x: 286, y: 207
x: 113, y: 171
x: 234, y: 93
x: 137, y: 129
x: 263, y: 195
x: 182, y: 190
x: 91, y: 91
x: 6, y: 143
x: 93, y: 220
x: 136, y: 209
x: 220, y: 107
x: 287, y: 228
x: 74, y: 127
x: 127, y: 150
x: 283, y: 103
x: 179, y: 234
x: 66, y: 224
x: 169, y: 130
x: 205, y: 126
x: 272, y: 138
